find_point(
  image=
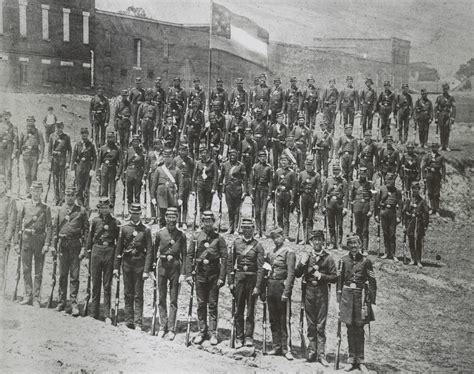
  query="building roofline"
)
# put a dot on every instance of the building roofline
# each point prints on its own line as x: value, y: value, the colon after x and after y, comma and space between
x: 152, y: 20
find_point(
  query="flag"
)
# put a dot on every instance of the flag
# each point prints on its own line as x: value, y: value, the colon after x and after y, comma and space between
x: 238, y: 35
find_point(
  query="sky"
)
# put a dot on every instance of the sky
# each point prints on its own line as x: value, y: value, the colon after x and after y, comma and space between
x: 441, y: 32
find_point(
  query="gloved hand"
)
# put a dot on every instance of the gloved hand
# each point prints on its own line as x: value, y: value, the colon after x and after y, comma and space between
x: 344, y: 211
x: 82, y: 254
x: 213, y: 191
x: 220, y: 283
x: 45, y: 250
x: 16, y: 247
x: 398, y: 220
x: 91, y: 173
x: 190, y: 280
x: 232, y: 288
x: 145, y: 276
x: 304, y: 258
x: 40, y: 161
x: 377, y: 219
x: 323, y: 210
x: 284, y: 298
x: 153, y: 201
x: 115, y: 273
x: 317, y: 274
x: 182, y: 278
x: 219, y: 195
x: 255, y: 292
x: 369, y: 214
x: 180, y: 202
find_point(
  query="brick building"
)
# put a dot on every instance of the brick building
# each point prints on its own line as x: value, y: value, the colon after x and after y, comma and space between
x: 45, y: 45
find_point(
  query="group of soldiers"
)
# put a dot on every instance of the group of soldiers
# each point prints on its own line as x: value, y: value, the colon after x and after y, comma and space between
x: 263, y: 145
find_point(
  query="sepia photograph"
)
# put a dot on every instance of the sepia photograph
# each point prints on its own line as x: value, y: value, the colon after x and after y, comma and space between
x: 235, y: 186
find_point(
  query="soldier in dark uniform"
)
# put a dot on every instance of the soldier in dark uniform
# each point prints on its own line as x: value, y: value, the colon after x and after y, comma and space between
x: 311, y: 102
x: 362, y: 197
x: 348, y: 102
x: 233, y: 182
x: 417, y: 219
x: 235, y: 128
x: 386, y: 104
x: 205, y: 178
x: 283, y: 193
x: 302, y: 135
x: 239, y: 97
x: 368, y: 155
x: 409, y: 168
x: 165, y: 184
x: 219, y: 116
x: 329, y: 102
x: 388, y: 211
x: 8, y: 146
x: 109, y: 164
x: 346, y: 148
x: 84, y: 159
x: 277, y: 100
x: 153, y: 160
x: 245, y: 269
x: 123, y: 112
x: 261, y: 184
x: 185, y: 165
x: 136, y: 97
x: 177, y: 101
x: 277, y: 136
x: 31, y: 146
x: 8, y: 217
x: 34, y: 224
x: 261, y: 99
x: 147, y: 119
x: 99, y: 115
x: 356, y: 292
x: 159, y: 99
x: 219, y: 95
x: 317, y: 271
x: 70, y: 229
x: 259, y: 128
x: 445, y: 109
x: 389, y: 159
x: 335, y: 200
x: 281, y: 261
x: 294, y: 155
x: 197, y: 92
x: 208, y: 251
x: 252, y: 91
x: 169, y: 134
x: 368, y: 102
x: 403, y: 111
x: 194, y: 123
x: 423, y: 117
x: 294, y: 102
x: 133, y: 246
x: 211, y: 134
x: 103, y: 235
x: 169, y: 255
x: 134, y: 168
x: 59, y: 153
x: 433, y: 169
x: 248, y: 151
x: 308, y: 193
x: 324, y: 149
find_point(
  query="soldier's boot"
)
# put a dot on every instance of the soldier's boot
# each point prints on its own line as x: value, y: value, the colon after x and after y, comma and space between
x: 238, y: 344
x: 36, y: 303
x: 199, y: 339
x: 323, y: 362
x: 248, y: 342
x: 213, y: 340
x: 75, y: 310
x: 171, y: 335
x: 289, y: 356
x: 26, y: 301
x: 60, y: 307
x: 351, y: 366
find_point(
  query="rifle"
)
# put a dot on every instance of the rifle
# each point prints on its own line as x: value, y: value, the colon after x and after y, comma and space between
x: 378, y: 237
x: 18, y: 268
x: 117, y: 291
x: 155, y: 300
x: 302, y: 311
x: 298, y: 216
x: 55, y: 267
x: 232, y: 329
x: 326, y: 226
x: 124, y: 196
x: 352, y: 216
x: 405, y: 239
x: 437, y: 123
x: 378, y: 127
x: 274, y: 212
x: 195, y: 200
x: 220, y: 215
x: 18, y: 176
x: 191, y: 297
x: 339, y: 324
x: 288, y: 321
x: 49, y: 183
x: 264, y: 321
x: 88, y: 288
x: 144, y: 197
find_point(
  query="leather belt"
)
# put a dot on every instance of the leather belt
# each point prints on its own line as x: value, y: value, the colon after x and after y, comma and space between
x: 352, y: 285
x: 105, y: 243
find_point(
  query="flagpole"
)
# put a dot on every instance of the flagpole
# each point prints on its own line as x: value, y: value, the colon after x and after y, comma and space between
x: 209, y: 70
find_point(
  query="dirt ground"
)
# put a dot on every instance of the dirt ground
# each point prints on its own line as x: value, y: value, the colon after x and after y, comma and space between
x: 423, y: 317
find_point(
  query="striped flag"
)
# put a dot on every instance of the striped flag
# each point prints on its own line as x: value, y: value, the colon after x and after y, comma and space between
x: 238, y: 35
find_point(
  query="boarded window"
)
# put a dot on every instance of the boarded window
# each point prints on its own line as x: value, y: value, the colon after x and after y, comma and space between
x: 23, y: 73
x: 108, y: 43
x: 45, y: 21
x: 1, y: 17
x: 123, y: 72
x: 66, y: 12
x: 22, y: 8
x: 137, y: 50
x: 150, y: 74
x: 85, y: 27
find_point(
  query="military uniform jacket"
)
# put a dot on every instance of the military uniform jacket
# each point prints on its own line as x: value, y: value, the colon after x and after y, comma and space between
x: 32, y: 144
x: 60, y: 148
x: 245, y: 258
x: 311, y: 98
x: 284, y: 181
x: 294, y: 99
x: 248, y: 151
x: 136, y: 96
x: 70, y: 223
x: 194, y: 121
x: 169, y: 135
x: 295, y: 156
x: 322, y: 262
x: 278, y: 133
x: 110, y: 157
x: 147, y: 111
x: 235, y: 129
x: 205, y: 175
x: 261, y: 98
x: 179, y: 94
x: 330, y: 96
x: 283, y: 262
x: 416, y: 214
x: 100, y: 108
x: 220, y: 95
x: 123, y: 109
x: 363, y: 196
x: 323, y: 145
x: 357, y: 287
x: 309, y: 183
x: 185, y: 166
x: 239, y: 98
x: 8, y: 217
x: 104, y: 232
x: 389, y: 200
x: 84, y: 156
x: 153, y: 160
x: 347, y: 146
x: 35, y: 222
x: 390, y: 160
x: 134, y: 162
x: 134, y: 244
x: 434, y: 165
x: 159, y: 97
x: 445, y: 103
x: 335, y: 194
x: 424, y: 109
x: 8, y: 140
x: 404, y: 103
x: 233, y: 178
x: 367, y: 153
x: 210, y: 259
x: 165, y: 184
x: 259, y: 129
x: 410, y: 167
x: 386, y: 101
x: 197, y: 93
x: 169, y: 250
x: 368, y: 97
x: 349, y: 97
x: 302, y: 135
x: 277, y: 99
x: 262, y: 176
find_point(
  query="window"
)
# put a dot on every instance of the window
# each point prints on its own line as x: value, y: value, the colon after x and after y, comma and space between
x: 66, y: 12
x: 123, y: 72
x: 1, y: 17
x: 46, y: 76
x: 22, y: 7
x: 137, y: 47
x: 66, y: 76
x: 45, y: 21
x: 23, y: 73
x: 108, y: 43
x: 150, y: 74
x: 86, y: 76
x: 85, y: 27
